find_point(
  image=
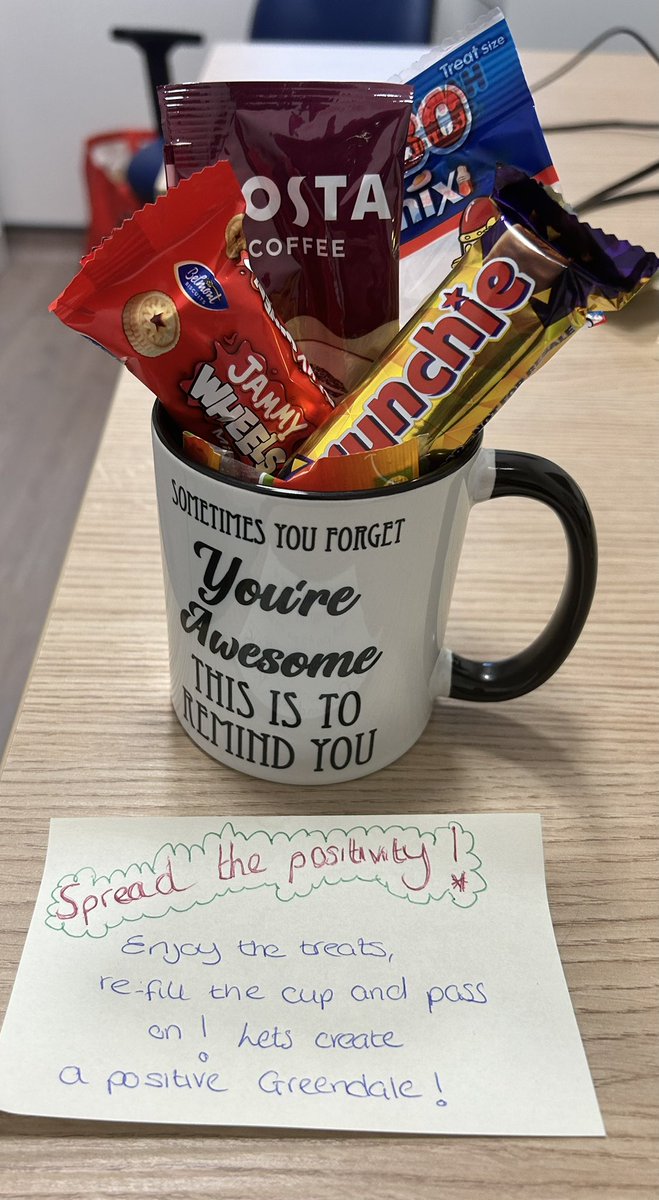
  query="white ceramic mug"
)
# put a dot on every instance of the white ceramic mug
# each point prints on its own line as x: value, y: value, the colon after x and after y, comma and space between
x: 306, y: 631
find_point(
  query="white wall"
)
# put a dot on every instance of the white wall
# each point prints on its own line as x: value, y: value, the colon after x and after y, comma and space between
x: 62, y: 79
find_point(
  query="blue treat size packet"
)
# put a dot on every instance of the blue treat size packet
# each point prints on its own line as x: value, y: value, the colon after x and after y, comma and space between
x: 472, y: 110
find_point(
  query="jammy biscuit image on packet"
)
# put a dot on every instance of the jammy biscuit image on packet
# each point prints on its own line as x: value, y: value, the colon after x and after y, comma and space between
x: 321, y: 168
x: 514, y: 298
x: 171, y: 294
x: 472, y: 110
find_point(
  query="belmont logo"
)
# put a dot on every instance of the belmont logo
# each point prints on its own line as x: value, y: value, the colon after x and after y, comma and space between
x: 263, y: 199
x: 446, y: 350
x: 199, y: 284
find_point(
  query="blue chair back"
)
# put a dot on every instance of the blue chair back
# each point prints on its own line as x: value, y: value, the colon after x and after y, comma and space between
x: 403, y: 21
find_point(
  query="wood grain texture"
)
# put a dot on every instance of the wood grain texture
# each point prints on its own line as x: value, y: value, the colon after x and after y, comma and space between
x: 97, y: 735
x: 56, y: 391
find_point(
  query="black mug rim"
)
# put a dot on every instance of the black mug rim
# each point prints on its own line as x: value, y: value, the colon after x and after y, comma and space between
x: 166, y: 431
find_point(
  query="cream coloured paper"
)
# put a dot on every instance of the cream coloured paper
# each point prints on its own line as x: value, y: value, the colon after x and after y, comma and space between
x: 361, y: 973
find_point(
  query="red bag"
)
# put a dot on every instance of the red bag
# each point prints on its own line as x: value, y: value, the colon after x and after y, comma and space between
x: 110, y: 196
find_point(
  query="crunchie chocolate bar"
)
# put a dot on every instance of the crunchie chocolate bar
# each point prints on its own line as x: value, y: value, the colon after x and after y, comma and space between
x: 514, y: 298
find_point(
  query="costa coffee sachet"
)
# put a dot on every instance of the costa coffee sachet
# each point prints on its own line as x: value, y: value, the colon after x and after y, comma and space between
x: 170, y: 294
x: 321, y: 169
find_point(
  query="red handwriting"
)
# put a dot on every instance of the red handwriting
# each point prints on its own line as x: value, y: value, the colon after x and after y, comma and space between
x: 126, y: 894
x: 331, y: 856
x: 230, y: 865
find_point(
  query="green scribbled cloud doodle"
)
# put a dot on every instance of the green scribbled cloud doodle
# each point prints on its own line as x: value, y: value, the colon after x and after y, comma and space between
x: 410, y: 863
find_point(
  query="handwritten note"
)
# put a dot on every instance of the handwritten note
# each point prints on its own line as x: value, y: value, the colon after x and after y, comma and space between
x: 362, y: 973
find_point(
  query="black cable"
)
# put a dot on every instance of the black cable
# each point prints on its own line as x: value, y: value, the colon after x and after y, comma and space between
x: 602, y: 196
x: 612, y: 194
x: 619, y: 198
x: 578, y: 58
x: 585, y: 126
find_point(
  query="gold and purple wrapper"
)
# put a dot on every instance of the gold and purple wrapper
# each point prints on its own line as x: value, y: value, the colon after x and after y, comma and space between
x: 518, y: 293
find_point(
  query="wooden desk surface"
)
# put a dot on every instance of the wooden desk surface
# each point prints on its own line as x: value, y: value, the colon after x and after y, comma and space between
x: 97, y: 735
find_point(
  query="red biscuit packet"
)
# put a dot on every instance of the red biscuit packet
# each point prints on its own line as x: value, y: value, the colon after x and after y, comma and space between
x: 170, y: 294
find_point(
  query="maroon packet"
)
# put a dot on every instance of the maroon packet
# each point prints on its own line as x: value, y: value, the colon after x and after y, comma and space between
x: 320, y: 166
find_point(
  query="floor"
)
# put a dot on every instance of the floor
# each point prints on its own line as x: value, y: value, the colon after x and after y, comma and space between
x: 55, y: 393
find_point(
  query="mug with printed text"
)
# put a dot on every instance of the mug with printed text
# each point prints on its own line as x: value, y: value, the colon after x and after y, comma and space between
x: 306, y: 631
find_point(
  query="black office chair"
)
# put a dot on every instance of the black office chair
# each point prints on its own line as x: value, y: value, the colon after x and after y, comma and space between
x: 155, y: 46
x: 401, y: 21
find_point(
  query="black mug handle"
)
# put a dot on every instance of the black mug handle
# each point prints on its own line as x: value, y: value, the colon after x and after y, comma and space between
x: 527, y: 475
